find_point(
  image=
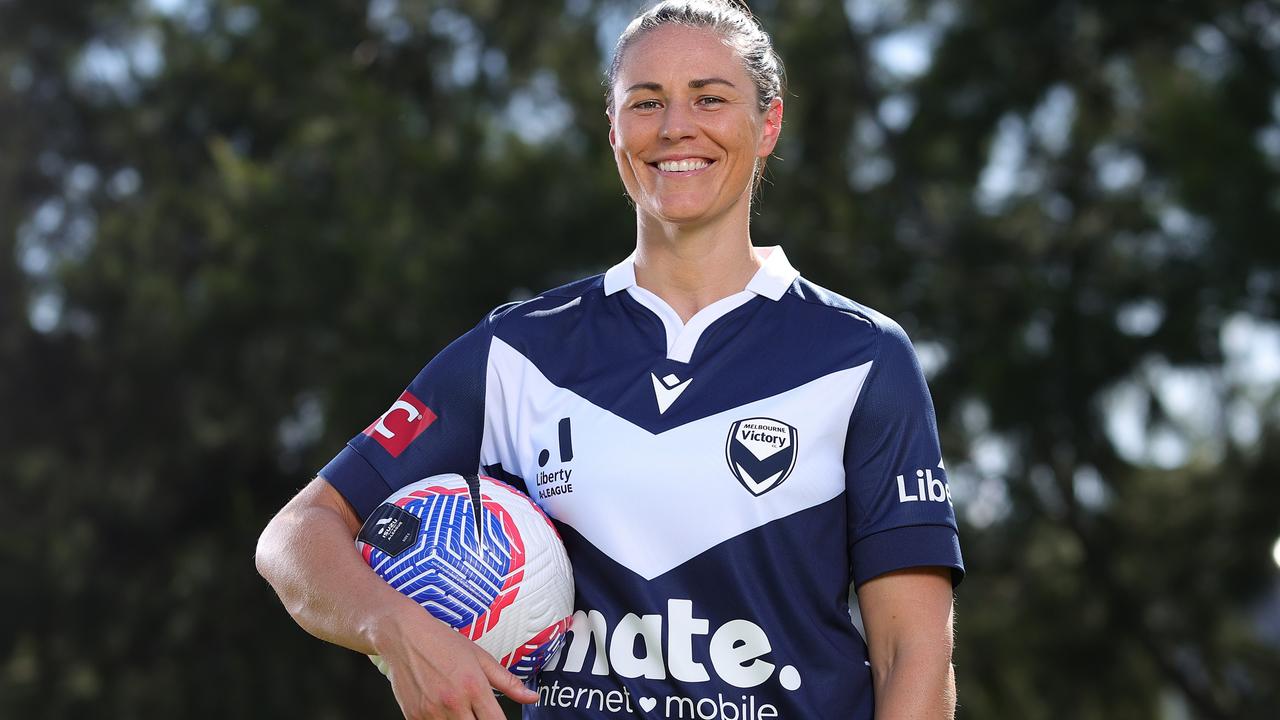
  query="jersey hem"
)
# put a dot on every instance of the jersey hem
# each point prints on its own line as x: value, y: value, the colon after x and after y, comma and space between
x: 907, y: 547
x: 356, y: 480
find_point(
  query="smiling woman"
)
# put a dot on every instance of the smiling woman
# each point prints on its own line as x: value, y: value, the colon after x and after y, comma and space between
x: 686, y: 130
x: 743, y: 446
x: 680, y: 93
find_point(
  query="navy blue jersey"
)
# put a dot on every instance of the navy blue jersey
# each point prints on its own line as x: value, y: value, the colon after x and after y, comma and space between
x: 719, y: 484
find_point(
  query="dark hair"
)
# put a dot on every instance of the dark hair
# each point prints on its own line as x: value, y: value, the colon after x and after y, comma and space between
x: 730, y: 20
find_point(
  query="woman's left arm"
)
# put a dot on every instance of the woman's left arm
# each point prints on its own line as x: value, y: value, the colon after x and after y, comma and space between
x: 909, y: 624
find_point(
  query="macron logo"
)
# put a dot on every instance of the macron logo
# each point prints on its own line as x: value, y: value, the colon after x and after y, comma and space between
x: 401, y: 424
x: 667, y: 389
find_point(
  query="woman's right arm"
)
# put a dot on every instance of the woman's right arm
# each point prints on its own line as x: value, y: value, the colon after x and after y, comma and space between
x: 307, y: 553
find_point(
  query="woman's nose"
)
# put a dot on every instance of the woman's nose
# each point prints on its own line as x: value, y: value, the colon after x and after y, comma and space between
x: 677, y: 123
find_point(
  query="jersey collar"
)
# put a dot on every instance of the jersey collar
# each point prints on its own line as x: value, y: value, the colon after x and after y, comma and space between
x: 771, y: 280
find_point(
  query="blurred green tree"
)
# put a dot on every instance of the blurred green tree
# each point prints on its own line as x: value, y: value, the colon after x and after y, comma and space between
x: 229, y: 230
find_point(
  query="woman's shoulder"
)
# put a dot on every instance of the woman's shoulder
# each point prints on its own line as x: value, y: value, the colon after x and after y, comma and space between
x: 854, y: 322
x: 547, y: 303
x: 822, y: 301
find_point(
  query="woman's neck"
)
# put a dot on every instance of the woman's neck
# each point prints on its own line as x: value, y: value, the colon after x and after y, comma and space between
x: 692, y: 267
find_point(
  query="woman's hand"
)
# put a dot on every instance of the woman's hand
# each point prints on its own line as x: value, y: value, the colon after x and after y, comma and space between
x: 436, y: 673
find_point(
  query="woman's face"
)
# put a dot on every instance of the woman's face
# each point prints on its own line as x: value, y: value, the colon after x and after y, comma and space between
x: 685, y: 126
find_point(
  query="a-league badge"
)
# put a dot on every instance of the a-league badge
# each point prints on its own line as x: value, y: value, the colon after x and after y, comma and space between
x: 761, y: 453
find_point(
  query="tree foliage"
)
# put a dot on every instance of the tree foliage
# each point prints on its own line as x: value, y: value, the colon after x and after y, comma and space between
x: 230, y: 229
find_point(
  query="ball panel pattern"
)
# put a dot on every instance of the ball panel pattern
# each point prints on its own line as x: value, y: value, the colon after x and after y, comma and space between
x: 533, y: 654
x: 453, y: 572
x: 487, y: 562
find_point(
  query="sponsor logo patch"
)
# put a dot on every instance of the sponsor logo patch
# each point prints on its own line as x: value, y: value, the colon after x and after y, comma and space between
x: 761, y: 453
x: 556, y: 481
x: 401, y: 424
x: 926, y: 488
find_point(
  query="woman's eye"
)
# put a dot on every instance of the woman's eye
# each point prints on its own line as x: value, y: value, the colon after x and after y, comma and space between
x: 710, y: 100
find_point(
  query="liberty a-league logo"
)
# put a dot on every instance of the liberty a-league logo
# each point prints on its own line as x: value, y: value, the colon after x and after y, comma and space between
x: 761, y: 453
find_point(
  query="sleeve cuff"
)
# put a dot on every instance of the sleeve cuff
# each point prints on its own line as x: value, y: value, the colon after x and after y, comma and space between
x: 907, y: 547
x: 352, y: 476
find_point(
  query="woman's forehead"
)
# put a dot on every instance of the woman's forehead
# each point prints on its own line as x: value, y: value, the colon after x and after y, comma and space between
x: 679, y: 52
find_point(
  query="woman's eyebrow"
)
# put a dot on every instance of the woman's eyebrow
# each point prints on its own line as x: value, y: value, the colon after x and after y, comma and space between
x: 695, y: 84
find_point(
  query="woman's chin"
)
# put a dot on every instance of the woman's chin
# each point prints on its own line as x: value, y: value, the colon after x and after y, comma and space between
x: 683, y: 213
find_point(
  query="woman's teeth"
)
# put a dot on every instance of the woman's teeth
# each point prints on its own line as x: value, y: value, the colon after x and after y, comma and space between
x: 682, y: 165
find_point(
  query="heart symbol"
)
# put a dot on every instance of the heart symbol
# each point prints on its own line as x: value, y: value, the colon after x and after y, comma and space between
x: 648, y: 704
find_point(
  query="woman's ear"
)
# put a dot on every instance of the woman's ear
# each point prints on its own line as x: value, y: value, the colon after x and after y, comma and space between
x: 772, y: 128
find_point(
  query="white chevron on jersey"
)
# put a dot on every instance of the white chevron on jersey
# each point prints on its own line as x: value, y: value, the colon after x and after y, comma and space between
x: 652, y: 502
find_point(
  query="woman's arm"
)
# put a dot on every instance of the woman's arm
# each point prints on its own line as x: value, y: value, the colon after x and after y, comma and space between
x: 307, y: 553
x: 908, y: 619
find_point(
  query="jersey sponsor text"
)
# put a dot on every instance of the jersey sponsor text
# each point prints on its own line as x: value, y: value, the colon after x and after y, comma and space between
x: 737, y: 648
x: 927, y: 489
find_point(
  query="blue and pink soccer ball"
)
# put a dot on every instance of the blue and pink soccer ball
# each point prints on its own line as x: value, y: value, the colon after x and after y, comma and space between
x: 479, y: 556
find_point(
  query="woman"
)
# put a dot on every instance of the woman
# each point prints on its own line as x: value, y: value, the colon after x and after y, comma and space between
x: 744, y: 446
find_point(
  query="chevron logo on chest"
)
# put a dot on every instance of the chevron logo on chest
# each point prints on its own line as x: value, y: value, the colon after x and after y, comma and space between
x: 667, y: 389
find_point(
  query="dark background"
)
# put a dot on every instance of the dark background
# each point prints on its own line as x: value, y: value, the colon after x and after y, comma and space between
x: 230, y: 232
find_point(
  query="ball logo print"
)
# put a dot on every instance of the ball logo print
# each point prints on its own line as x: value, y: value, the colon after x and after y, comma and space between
x: 480, y: 557
x: 390, y: 529
x: 761, y: 453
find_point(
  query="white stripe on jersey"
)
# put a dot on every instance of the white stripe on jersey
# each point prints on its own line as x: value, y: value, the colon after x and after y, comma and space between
x: 652, y: 502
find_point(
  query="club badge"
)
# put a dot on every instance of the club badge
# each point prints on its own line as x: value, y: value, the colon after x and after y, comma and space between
x: 761, y: 453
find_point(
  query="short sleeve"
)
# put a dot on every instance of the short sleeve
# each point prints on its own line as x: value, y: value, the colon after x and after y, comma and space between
x: 433, y: 427
x: 900, y: 511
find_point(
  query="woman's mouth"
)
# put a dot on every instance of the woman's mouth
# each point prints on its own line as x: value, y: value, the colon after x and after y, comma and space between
x: 687, y: 165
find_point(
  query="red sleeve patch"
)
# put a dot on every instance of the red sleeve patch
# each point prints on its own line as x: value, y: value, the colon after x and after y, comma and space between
x: 400, y: 425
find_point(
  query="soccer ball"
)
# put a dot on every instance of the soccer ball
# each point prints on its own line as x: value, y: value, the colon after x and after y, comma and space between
x: 479, y: 556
